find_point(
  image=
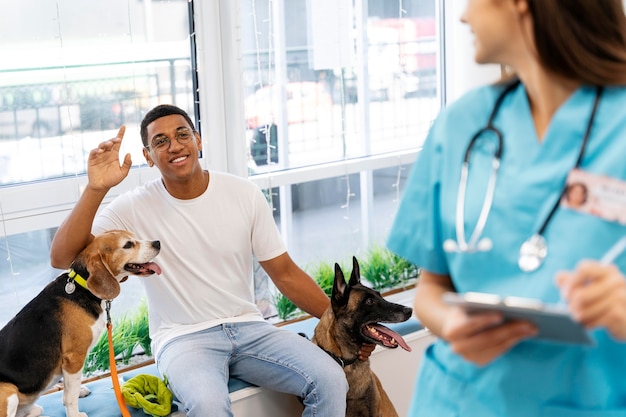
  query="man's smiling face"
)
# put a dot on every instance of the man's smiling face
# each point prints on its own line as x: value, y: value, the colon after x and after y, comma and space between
x: 173, y: 146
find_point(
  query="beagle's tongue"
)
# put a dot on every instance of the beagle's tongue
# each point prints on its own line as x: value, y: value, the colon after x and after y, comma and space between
x: 387, y: 337
x: 151, y: 267
x: 144, y: 269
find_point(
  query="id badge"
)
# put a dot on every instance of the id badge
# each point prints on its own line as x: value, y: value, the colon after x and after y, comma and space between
x: 598, y: 195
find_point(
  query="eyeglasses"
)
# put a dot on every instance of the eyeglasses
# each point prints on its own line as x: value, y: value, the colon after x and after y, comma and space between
x: 161, y: 143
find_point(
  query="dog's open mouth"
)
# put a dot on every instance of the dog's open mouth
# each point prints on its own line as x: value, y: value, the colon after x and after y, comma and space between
x: 144, y: 269
x: 384, y: 336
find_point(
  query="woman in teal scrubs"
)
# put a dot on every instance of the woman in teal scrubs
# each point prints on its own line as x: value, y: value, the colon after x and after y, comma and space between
x: 564, y: 116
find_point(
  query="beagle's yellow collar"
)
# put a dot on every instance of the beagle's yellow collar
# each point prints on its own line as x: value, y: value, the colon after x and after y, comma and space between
x: 74, y: 276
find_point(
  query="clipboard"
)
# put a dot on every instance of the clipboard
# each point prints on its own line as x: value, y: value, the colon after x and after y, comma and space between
x: 554, y: 322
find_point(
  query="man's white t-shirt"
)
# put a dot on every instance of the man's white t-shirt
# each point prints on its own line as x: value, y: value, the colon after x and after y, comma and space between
x: 207, y: 249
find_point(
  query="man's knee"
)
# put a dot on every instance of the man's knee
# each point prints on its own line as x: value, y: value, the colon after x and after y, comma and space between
x: 331, y: 379
x: 202, y: 404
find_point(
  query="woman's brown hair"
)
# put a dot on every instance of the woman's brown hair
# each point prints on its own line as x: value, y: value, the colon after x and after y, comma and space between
x: 581, y: 39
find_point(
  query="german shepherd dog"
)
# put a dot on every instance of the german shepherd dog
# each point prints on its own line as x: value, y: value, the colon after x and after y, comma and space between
x: 351, y: 320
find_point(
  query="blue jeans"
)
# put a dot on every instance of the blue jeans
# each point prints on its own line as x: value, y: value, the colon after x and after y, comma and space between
x: 198, y: 366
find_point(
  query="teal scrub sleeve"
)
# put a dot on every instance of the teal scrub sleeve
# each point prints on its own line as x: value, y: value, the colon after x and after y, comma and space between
x: 415, y: 233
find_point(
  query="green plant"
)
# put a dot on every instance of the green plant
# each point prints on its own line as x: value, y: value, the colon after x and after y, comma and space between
x: 285, y: 308
x: 400, y: 267
x: 128, y: 333
x: 385, y: 270
x: 323, y: 273
x: 142, y: 328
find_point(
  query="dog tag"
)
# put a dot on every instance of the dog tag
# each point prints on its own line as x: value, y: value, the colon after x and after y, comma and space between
x: 70, y: 287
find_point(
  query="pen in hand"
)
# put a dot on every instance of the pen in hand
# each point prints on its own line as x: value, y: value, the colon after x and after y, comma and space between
x: 615, y: 251
x: 609, y: 257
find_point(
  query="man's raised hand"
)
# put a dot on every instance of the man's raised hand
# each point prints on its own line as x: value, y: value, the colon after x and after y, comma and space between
x: 103, y: 167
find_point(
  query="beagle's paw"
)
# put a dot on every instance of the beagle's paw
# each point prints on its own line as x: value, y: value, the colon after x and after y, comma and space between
x: 84, y: 391
x: 34, y: 411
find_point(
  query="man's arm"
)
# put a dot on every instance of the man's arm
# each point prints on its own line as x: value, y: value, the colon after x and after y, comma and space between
x: 296, y: 285
x: 104, y: 171
x: 305, y: 293
x: 75, y: 231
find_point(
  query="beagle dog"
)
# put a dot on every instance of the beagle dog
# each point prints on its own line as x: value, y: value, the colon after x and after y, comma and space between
x: 52, y: 335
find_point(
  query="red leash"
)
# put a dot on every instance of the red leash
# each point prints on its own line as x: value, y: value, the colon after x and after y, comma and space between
x: 114, y: 377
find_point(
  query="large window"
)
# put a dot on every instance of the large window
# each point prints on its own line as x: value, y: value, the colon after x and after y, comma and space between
x: 338, y: 97
x: 323, y: 103
x: 72, y: 73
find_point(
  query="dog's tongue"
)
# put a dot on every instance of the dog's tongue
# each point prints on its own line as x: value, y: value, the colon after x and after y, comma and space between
x: 390, y: 334
x: 144, y: 269
x: 151, y: 266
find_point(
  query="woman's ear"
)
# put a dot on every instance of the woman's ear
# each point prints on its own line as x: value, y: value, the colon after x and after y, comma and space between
x: 521, y: 6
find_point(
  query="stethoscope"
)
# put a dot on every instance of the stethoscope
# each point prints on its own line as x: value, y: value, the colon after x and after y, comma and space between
x: 535, y: 249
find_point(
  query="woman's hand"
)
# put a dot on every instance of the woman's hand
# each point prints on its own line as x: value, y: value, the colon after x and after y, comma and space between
x: 596, y: 296
x: 481, y: 338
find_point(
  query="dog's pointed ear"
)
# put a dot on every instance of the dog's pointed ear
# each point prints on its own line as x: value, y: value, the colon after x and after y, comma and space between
x: 339, y: 288
x: 355, y: 277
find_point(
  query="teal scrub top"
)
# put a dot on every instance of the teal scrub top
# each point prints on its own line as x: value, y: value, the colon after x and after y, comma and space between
x: 535, y: 378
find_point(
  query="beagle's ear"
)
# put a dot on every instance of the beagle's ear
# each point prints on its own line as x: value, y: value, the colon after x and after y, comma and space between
x: 102, y: 284
x: 100, y: 281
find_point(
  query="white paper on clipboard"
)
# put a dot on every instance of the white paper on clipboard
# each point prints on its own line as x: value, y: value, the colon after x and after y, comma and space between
x: 553, y: 322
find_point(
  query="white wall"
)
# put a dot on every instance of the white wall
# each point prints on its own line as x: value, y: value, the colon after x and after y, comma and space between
x: 461, y: 71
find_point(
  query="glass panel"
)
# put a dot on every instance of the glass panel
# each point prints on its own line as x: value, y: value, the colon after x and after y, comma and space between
x: 25, y: 269
x: 304, y: 102
x: 327, y: 227
x: 327, y: 215
x: 73, y: 72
